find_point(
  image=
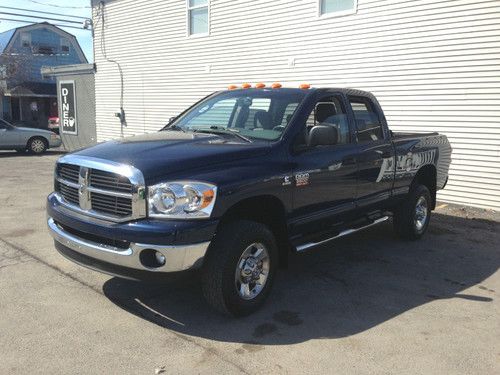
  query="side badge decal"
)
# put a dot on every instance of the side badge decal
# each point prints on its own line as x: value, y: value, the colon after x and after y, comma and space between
x: 286, y: 181
x: 302, y: 179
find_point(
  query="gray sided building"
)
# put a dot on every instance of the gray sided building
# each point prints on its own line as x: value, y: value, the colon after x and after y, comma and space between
x: 434, y: 65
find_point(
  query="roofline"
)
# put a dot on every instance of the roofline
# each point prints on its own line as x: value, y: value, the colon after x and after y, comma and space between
x: 10, y: 39
x: 29, y: 95
x: 41, y: 23
x: 79, y: 51
x: 344, y: 90
x: 62, y: 70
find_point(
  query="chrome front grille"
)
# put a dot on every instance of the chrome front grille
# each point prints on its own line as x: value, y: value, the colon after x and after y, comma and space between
x: 68, y: 172
x: 69, y: 193
x: 111, y: 181
x: 100, y: 188
x: 110, y: 204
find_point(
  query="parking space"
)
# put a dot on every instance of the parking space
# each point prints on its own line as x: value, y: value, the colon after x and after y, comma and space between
x: 368, y: 303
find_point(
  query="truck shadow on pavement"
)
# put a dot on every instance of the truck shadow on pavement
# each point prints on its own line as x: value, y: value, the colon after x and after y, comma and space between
x: 344, y: 288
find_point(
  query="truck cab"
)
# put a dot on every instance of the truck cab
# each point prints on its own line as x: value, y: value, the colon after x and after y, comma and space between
x: 239, y: 180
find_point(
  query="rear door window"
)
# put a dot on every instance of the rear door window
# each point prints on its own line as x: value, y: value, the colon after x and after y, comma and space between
x: 368, y: 124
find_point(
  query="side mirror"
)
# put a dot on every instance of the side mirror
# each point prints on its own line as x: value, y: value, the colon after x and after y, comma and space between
x: 321, y: 135
x: 170, y: 120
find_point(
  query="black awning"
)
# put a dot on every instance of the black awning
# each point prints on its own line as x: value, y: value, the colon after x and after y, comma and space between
x: 32, y: 89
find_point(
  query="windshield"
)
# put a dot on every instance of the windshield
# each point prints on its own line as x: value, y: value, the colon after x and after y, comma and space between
x: 253, y: 113
x: 5, y: 125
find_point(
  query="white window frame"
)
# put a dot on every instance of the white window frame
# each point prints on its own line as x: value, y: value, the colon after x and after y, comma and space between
x: 65, y: 42
x: 25, y: 36
x: 188, y: 19
x: 354, y: 10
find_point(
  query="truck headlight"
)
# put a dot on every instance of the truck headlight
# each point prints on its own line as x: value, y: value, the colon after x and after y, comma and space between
x: 181, y: 200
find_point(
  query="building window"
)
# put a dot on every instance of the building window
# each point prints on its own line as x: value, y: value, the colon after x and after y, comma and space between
x: 26, y: 39
x: 337, y: 7
x: 44, y: 50
x: 64, y: 45
x: 198, y: 19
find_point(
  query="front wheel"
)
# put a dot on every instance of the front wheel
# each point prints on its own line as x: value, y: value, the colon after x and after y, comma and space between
x: 37, y: 145
x: 239, y: 268
x: 412, y: 218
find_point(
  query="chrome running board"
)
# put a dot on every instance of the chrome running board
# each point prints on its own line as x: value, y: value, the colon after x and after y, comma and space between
x: 341, y: 234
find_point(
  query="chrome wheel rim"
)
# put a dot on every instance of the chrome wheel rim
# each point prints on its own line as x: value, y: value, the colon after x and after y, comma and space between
x: 252, y: 271
x: 421, y: 213
x: 37, y: 145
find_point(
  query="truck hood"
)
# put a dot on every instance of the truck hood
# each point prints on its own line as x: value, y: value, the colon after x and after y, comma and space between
x: 158, y: 155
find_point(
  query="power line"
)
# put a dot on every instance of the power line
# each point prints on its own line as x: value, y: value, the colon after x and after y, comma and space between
x: 41, y: 12
x: 32, y: 22
x: 58, y: 6
x: 40, y: 17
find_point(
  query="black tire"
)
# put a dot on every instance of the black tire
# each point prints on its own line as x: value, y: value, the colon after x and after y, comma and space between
x: 218, y: 274
x: 37, y: 145
x: 406, y: 223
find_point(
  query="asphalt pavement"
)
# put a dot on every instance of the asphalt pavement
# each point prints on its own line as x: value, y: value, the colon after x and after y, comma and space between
x: 365, y: 304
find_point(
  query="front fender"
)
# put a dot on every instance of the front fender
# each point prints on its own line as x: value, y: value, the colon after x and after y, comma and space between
x: 250, y: 178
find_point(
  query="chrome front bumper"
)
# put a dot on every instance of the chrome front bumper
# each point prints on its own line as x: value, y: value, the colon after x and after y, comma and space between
x: 178, y: 258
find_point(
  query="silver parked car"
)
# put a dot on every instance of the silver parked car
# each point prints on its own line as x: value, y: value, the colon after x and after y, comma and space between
x: 26, y: 139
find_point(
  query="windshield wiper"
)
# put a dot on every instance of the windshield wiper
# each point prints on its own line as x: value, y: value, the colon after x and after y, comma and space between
x: 174, y: 128
x: 221, y: 130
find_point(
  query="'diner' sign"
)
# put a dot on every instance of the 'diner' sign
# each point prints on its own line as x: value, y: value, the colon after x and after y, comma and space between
x: 68, y: 107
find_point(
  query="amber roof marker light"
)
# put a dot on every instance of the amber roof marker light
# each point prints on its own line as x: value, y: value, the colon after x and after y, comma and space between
x: 246, y: 86
x: 304, y: 86
x: 276, y: 85
x: 260, y: 85
x: 232, y: 87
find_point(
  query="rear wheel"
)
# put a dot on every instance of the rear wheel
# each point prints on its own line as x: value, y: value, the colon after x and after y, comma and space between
x: 412, y: 218
x: 37, y: 145
x: 239, y: 268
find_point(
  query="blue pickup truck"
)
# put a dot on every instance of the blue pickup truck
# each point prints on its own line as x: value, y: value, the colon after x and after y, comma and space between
x: 237, y: 182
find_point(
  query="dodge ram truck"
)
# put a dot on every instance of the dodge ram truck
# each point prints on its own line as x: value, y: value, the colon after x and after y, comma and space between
x: 239, y: 181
